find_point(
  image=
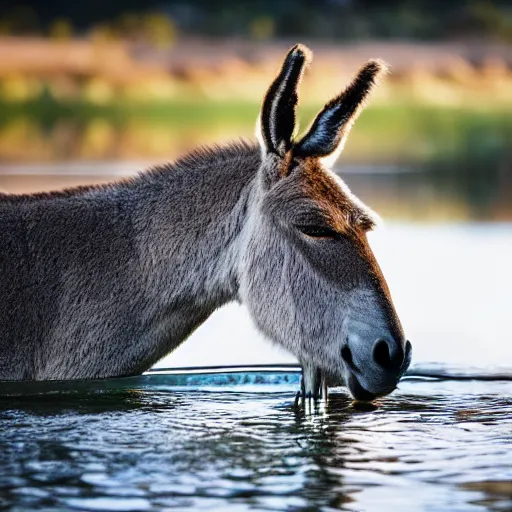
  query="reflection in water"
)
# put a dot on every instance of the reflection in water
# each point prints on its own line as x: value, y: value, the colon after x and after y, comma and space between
x: 429, y: 446
x: 477, y: 185
x: 25, y: 139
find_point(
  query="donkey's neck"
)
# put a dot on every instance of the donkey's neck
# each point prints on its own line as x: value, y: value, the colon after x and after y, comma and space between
x: 189, y: 218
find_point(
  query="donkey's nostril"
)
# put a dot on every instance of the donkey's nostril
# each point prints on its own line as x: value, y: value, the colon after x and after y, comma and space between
x: 346, y: 353
x: 388, y: 354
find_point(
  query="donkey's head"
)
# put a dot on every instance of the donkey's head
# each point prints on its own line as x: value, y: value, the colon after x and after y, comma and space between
x: 309, y: 278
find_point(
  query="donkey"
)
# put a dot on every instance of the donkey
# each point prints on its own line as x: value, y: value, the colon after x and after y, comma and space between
x: 103, y: 281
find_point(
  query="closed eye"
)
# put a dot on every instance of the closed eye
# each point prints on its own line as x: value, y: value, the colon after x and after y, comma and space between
x: 318, y: 231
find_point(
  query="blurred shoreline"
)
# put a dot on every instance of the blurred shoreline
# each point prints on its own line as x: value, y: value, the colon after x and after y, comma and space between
x: 96, y: 99
x: 99, y: 71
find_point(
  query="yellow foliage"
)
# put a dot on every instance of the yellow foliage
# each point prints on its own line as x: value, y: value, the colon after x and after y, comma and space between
x: 262, y: 28
x: 102, y: 33
x: 159, y: 29
x: 21, y: 139
x: 151, y: 90
x: 98, y: 91
x: 61, y: 29
x: 98, y: 139
x: 16, y: 87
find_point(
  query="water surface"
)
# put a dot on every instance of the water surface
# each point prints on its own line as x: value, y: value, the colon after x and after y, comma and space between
x: 149, y: 444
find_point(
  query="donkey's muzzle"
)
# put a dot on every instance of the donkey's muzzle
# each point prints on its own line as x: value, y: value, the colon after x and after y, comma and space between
x: 380, y: 373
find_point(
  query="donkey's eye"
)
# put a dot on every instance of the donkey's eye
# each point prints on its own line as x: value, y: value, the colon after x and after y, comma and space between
x: 318, y: 231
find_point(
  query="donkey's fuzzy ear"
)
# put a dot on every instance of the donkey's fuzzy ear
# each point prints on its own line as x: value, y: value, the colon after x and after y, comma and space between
x: 330, y: 129
x: 277, y: 118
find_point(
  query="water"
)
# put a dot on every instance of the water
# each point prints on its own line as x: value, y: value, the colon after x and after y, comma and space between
x: 240, y: 444
x: 237, y: 441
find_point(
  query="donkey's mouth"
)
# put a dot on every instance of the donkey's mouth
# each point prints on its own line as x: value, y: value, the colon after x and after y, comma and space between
x: 361, y: 394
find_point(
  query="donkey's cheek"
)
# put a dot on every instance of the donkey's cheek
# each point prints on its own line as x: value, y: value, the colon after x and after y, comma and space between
x: 265, y: 290
x: 320, y: 317
x: 292, y: 302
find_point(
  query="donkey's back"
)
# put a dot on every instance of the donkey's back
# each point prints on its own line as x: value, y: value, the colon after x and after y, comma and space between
x: 66, y: 261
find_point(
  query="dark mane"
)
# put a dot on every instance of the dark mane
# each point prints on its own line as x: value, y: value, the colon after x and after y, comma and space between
x: 205, y: 156
x: 199, y: 158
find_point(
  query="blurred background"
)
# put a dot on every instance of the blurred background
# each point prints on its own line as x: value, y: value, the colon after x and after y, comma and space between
x: 90, y: 91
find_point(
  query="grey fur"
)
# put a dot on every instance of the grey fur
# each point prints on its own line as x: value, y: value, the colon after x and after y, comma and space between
x: 104, y: 281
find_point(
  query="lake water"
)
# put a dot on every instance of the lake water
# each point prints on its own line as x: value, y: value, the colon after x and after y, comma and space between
x: 148, y: 444
x: 238, y: 442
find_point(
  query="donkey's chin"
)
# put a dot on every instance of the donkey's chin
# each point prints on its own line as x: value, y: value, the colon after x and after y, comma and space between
x: 360, y: 393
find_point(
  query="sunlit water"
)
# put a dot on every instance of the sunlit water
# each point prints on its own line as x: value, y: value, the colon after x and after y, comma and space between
x: 238, y: 442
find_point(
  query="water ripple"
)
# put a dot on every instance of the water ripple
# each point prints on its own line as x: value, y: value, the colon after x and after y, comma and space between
x: 430, y: 446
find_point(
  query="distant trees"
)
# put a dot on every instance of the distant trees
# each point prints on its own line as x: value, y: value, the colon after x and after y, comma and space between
x: 158, y: 22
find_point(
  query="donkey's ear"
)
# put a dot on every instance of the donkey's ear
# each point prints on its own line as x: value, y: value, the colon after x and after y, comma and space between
x: 277, y: 117
x: 330, y: 129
